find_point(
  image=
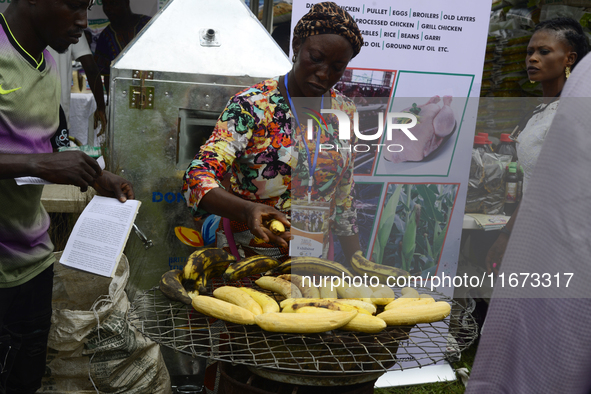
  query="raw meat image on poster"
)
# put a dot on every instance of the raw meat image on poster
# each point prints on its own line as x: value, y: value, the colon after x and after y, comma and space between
x: 370, y: 90
x: 413, y: 225
x: 438, y: 102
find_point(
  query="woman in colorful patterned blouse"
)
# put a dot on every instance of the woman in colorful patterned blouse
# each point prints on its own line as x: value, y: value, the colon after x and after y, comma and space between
x: 255, y: 141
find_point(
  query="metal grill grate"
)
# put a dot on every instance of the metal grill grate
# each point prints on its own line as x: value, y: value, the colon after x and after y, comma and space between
x: 180, y: 327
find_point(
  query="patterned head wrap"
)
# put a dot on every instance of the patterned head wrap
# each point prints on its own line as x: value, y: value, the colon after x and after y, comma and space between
x: 329, y: 18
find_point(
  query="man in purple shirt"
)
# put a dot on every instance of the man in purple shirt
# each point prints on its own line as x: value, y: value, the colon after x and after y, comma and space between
x: 29, y: 116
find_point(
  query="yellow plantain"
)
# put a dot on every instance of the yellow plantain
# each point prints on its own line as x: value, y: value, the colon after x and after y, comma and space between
x: 415, y: 314
x: 342, y: 289
x: 280, y: 286
x: 304, y: 323
x: 275, y: 226
x: 355, y: 293
x: 171, y: 286
x: 250, y: 266
x: 409, y: 301
x: 291, y: 305
x: 365, y: 323
x: 368, y: 306
x: 327, y: 292
x: 308, y: 291
x: 222, y: 310
x: 382, y: 295
x: 360, y: 323
x: 267, y: 303
x: 235, y: 296
x: 409, y: 292
x: 361, y: 266
x: 365, y: 291
x: 202, y: 259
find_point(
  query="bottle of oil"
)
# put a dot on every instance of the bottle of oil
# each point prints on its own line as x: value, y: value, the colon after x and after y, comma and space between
x: 511, y: 190
x: 487, y: 144
x: 507, y: 147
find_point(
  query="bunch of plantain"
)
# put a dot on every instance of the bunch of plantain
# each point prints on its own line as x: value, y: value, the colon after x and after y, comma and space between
x: 202, y: 265
x: 311, y: 266
x: 362, y: 266
x: 205, y: 264
x: 250, y: 266
x: 172, y: 287
x: 214, y: 271
x: 204, y: 258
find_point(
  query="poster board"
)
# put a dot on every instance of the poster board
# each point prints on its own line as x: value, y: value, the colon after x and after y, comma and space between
x: 426, y: 56
x: 416, y: 55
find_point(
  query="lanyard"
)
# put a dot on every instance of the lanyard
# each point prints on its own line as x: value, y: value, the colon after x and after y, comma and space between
x: 311, y: 166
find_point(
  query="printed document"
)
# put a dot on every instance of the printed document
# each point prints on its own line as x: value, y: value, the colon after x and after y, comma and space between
x: 99, y: 235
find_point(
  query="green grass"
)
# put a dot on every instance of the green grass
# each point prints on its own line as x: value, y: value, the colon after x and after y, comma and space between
x: 455, y: 387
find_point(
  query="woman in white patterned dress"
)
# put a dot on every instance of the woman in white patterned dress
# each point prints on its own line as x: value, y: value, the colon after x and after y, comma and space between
x: 553, y: 51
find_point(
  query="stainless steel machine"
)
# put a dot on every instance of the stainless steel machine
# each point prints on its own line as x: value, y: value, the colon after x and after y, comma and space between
x: 167, y: 89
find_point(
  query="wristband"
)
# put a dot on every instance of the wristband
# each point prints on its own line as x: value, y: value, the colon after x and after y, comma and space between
x: 505, y: 230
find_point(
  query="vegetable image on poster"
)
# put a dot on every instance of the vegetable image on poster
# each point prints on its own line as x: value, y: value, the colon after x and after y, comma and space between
x: 413, y: 225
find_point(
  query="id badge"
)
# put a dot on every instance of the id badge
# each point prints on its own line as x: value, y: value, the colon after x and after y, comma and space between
x: 309, y: 228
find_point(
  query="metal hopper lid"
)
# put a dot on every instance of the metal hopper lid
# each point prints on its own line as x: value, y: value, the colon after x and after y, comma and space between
x: 175, y: 41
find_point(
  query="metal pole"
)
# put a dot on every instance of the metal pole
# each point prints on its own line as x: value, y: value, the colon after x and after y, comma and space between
x: 254, y: 7
x: 268, y: 15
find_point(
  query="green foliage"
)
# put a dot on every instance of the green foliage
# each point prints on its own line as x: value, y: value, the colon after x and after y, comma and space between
x: 413, y: 226
x: 388, y: 216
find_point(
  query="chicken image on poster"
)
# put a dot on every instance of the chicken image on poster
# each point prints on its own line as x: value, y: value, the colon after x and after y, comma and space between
x: 438, y: 102
x: 435, y: 124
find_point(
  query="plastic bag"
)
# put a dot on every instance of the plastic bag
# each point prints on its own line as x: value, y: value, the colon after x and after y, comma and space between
x: 92, y: 347
x: 555, y: 11
x: 527, y: 18
x: 486, y: 184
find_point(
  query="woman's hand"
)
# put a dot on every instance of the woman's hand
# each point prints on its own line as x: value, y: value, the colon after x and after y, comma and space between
x: 256, y: 217
x: 111, y: 185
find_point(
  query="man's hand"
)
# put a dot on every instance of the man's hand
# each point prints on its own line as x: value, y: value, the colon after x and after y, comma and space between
x: 100, y: 118
x: 67, y: 168
x: 111, y: 185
